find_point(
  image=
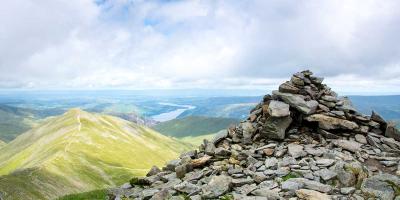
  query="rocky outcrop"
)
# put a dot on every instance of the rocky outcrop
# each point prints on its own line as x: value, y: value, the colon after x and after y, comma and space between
x: 303, y: 141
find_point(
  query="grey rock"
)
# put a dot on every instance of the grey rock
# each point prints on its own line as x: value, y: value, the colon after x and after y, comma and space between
x: 291, y: 185
x: 270, y: 184
x: 245, y: 189
x: 220, y: 136
x: 361, y: 139
x: 259, y: 177
x: 286, y: 161
x: 296, y: 150
x: 196, y: 175
x: 248, y: 131
x: 148, y: 193
x: 220, y: 151
x: 172, y: 164
x: 315, y: 151
x: 153, y: 171
x: 242, y: 181
x: 209, y: 148
x: 329, y: 98
x: 327, y: 134
x: 217, y: 186
x: 314, y: 185
x: 161, y: 195
x: 326, y: 174
x: 244, y: 197
x: 278, y: 109
x: 376, y: 117
x: 187, y: 187
x: 338, y: 113
x: 271, y: 162
x: 347, y: 190
x: 381, y: 186
x: 265, y: 192
x: 352, y: 146
x: 275, y: 127
x: 297, y: 81
x: 288, y: 88
x: 373, y: 141
x: 298, y: 102
x: 329, y: 123
x: 181, y: 170
x: 325, y: 162
x: 312, y: 195
x: 349, y: 174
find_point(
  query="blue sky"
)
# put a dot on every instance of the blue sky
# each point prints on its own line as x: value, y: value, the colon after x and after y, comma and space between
x: 133, y: 44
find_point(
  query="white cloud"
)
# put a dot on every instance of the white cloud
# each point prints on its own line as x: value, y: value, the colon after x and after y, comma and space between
x: 198, y: 44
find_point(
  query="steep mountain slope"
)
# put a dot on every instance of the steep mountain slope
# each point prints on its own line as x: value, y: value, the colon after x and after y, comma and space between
x: 193, y: 126
x: 80, y: 151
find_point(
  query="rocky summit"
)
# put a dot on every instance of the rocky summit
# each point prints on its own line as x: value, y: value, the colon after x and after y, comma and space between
x: 300, y: 142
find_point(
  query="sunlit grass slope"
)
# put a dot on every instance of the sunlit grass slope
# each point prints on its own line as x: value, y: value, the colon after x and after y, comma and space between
x: 197, y: 140
x: 80, y: 151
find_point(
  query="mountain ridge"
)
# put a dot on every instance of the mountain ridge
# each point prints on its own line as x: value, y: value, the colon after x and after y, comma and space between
x: 80, y: 151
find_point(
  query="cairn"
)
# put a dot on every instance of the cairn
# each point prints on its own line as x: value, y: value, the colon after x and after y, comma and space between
x: 301, y: 142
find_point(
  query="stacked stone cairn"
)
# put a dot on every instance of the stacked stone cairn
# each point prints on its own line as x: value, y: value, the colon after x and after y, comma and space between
x: 301, y: 142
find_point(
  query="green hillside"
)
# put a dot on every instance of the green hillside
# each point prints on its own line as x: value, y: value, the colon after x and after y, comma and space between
x: 78, y: 152
x: 14, y: 121
x: 193, y: 126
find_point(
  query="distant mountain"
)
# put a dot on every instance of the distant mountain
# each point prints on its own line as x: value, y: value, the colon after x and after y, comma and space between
x: 78, y: 152
x: 193, y: 126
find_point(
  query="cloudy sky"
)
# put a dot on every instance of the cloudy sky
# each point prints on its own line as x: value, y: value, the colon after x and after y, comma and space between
x: 133, y: 44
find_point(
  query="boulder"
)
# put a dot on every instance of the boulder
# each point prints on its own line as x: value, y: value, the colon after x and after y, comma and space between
x: 299, y: 183
x: 220, y: 136
x: 278, y: 109
x: 329, y: 123
x: 382, y: 186
x: 248, y: 131
x: 288, y: 88
x: 187, y: 187
x: 298, y: 102
x: 218, y: 186
x: 296, y: 150
x: 275, y: 127
x: 352, y: 146
x: 153, y: 171
x: 376, y: 117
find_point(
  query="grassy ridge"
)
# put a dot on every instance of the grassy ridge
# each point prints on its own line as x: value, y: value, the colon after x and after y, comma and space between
x: 79, y: 152
x: 193, y: 126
